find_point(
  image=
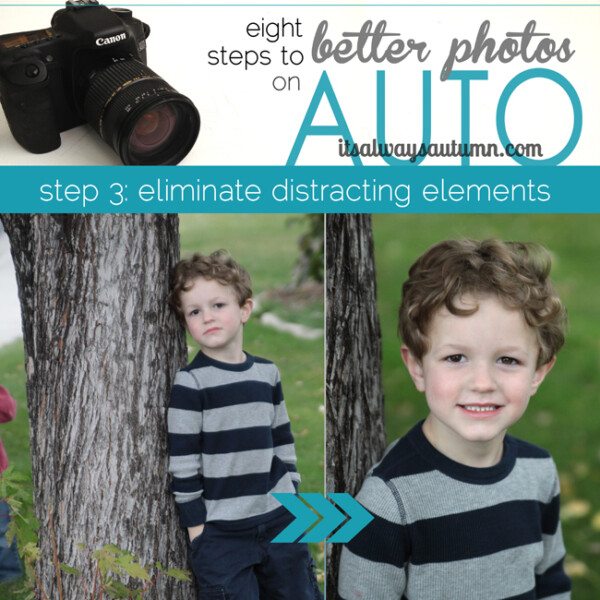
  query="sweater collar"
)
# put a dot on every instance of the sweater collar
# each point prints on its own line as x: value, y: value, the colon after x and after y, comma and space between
x: 456, y: 470
x: 201, y: 360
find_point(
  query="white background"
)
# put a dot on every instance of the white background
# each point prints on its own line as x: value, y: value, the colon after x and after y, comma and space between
x: 246, y: 122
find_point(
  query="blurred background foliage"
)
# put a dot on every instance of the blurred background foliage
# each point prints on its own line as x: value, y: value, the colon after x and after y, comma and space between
x: 564, y: 415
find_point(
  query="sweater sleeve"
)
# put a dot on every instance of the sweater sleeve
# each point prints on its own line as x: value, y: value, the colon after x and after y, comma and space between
x: 551, y: 580
x: 283, y: 440
x: 184, y: 420
x: 8, y: 406
x: 373, y: 563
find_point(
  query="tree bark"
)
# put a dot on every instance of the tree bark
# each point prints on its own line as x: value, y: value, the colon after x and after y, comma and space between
x: 101, y: 350
x: 355, y: 419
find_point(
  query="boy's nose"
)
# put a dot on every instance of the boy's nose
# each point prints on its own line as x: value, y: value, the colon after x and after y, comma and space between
x: 482, y: 380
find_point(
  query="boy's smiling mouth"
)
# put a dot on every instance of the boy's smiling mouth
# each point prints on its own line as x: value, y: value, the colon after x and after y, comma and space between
x: 480, y: 408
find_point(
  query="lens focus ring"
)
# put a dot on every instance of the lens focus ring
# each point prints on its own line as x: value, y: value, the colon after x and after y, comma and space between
x: 106, y: 86
x: 122, y: 94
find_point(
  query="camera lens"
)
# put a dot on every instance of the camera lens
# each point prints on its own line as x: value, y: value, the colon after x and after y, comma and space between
x: 140, y: 115
x: 153, y: 129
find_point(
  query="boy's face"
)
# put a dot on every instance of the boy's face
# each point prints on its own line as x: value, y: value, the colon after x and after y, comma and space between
x: 478, y: 375
x: 215, y: 319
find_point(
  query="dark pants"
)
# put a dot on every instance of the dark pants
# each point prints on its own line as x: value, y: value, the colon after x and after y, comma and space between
x: 245, y: 565
x: 10, y: 565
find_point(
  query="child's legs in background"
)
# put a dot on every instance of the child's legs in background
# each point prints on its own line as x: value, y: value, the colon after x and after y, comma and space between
x: 10, y: 565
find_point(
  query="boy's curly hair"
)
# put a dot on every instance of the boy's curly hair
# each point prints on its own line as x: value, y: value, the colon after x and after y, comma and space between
x: 218, y: 266
x: 516, y: 273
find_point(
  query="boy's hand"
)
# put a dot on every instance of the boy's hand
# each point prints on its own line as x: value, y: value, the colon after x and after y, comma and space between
x: 195, y: 531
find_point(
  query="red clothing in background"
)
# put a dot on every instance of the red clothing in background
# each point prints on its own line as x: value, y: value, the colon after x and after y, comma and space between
x: 8, y: 410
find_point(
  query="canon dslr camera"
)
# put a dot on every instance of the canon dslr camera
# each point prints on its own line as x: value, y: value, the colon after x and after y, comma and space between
x: 90, y: 66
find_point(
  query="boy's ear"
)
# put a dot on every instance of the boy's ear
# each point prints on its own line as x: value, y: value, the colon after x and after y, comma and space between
x: 414, y: 366
x: 246, y: 309
x: 540, y: 374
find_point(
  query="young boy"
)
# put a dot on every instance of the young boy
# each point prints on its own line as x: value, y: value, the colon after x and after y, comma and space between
x: 231, y: 445
x: 462, y: 510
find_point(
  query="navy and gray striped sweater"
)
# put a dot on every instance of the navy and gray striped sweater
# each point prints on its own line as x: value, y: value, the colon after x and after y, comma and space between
x: 230, y: 442
x: 446, y: 531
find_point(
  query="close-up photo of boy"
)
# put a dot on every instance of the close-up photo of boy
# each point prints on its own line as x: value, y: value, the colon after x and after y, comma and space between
x: 462, y: 507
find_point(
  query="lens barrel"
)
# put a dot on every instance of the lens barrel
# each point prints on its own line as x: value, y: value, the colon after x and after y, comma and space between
x: 140, y: 115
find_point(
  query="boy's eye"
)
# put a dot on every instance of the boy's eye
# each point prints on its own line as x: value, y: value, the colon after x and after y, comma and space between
x: 508, y: 360
x: 455, y: 358
x: 219, y: 304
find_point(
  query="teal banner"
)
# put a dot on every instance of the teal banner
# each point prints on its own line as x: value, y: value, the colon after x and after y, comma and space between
x: 265, y: 189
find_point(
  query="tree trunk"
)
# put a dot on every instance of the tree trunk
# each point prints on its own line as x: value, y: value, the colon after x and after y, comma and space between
x: 355, y: 419
x: 101, y: 350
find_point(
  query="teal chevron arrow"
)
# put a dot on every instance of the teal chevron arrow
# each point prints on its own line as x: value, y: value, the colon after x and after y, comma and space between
x: 359, y: 518
x: 332, y: 517
x: 305, y: 517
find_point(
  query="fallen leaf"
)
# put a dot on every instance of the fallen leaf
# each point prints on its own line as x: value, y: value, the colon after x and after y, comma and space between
x: 575, y: 509
x: 581, y: 469
x: 566, y: 484
x: 543, y: 418
x: 594, y: 548
x: 576, y: 568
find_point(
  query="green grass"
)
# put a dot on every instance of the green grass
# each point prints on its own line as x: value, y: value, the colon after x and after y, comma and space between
x: 266, y: 246
x: 12, y: 590
x: 563, y: 415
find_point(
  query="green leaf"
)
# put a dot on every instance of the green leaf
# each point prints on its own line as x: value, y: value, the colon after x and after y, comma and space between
x: 112, y: 549
x: 69, y: 570
x: 106, y: 563
x: 31, y: 551
x: 7, y: 474
x: 19, y: 477
x: 15, y: 506
x: 136, y: 570
x: 12, y: 531
x: 116, y: 589
x: 105, y: 557
x: 28, y: 535
x: 125, y: 559
x: 178, y: 574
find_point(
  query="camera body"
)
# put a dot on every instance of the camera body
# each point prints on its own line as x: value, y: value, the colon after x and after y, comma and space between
x: 90, y: 66
x: 45, y: 74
